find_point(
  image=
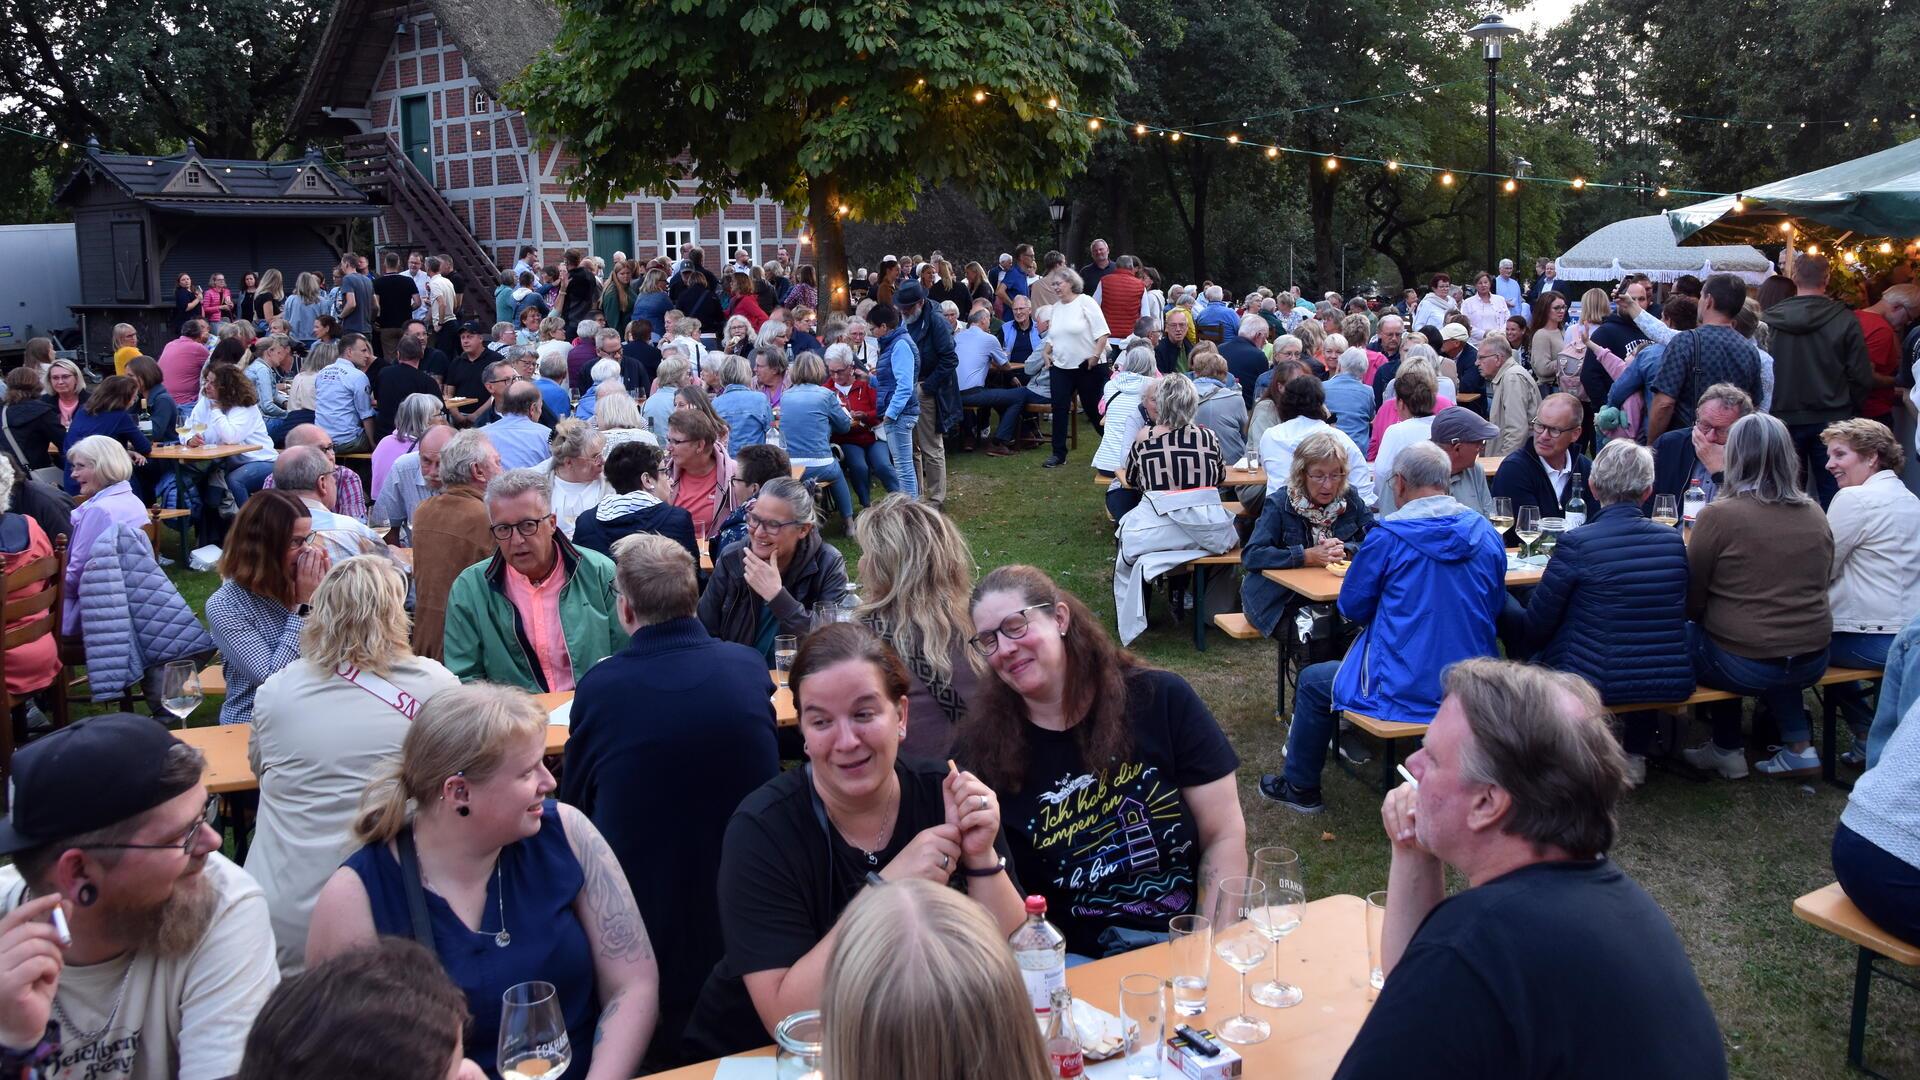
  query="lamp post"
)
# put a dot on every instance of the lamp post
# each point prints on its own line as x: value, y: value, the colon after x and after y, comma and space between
x: 1520, y: 167
x: 1057, y: 210
x: 1490, y: 33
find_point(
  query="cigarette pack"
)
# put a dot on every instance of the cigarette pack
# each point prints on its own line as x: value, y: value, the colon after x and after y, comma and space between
x: 1195, y: 1066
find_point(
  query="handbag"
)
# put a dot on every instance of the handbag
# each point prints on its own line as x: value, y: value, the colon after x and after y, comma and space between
x: 416, y: 893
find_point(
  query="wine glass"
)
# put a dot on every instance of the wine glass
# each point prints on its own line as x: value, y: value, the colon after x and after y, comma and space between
x: 1527, y: 527
x: 1666, y: 510
x: 1241, y: 943
x: 1502, y: 514
x: 785, y: 647
x: 533, y: 1033
x: 1278, y: 868
x: 180, y: 692
x: 184, y: 430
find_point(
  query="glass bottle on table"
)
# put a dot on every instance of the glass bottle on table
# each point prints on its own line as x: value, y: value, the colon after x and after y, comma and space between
x: 1576, y: 505
x: 1693, y: 501
x: 1040, y: 951
x: 1065, y: 1059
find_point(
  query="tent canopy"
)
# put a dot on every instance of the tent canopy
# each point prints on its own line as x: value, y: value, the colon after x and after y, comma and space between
x: 1871, y: 198
x: 1645, y: 245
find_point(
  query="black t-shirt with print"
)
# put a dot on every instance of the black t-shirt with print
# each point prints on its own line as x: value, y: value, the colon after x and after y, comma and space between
x: 1117, y: 846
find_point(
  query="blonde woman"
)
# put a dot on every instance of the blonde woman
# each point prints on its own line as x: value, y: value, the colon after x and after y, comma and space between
x: 577, y: 449
x: 674, y: 372
x: 269, y: 297
x: 917, y: 570
x: 321, y: 726
x: 300, y: 395
x: 304, y: 305
x: 921, y: 983
x: 553, y: 340
x: 618, y: 419
x: 518, y: 887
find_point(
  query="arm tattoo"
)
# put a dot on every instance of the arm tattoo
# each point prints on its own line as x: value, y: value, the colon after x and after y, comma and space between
x: 622, y: 935
x: 606, y: 1013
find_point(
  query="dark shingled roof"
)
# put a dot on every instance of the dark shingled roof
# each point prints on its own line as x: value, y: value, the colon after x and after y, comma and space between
x: 236, y: 187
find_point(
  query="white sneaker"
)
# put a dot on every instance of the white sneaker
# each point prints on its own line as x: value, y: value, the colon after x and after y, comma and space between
x: 1731, y: 764
x: 1636, y: 769
x: 1785, y: 763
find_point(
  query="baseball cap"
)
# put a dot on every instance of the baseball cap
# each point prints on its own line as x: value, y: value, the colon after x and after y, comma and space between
x: 88, y: 775
x: 1453, y: 331
x: 472, y: 327
x: 1458, y: 424
x: 910, y: 293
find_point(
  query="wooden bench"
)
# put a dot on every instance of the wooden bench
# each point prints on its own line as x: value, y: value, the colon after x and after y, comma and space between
x: 1199, y: 567
x: 1234, y: 624
x: 1830, y: 910
x: 1390, y: 733
x: 1073, y: 422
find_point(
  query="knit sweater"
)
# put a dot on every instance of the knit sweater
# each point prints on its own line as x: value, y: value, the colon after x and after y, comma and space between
x: 1758, y: 577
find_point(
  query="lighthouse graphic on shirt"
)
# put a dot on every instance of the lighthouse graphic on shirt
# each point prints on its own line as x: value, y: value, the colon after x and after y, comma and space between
x: 1117, y: 840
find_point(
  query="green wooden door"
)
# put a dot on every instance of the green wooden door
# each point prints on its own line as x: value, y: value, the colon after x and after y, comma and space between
x: 416, y: 134
x: 612, y: 236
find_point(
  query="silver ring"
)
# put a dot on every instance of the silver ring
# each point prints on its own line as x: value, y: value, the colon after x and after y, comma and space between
x: 983, y: 801
x: 944, y: 861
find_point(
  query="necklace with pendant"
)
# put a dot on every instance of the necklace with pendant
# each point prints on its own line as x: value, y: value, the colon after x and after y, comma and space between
x: 502, y: 939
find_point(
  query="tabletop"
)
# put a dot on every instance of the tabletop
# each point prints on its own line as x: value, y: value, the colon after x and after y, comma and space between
x: 1233, y: 476
x: 225, y: 745
x: 1326, y: 958
x: 176, y: 452
x: 1490, y: 465
x: 1319, y: 584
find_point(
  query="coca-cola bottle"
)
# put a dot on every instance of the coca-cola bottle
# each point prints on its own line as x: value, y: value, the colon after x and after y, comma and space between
x: 1065, y: 1061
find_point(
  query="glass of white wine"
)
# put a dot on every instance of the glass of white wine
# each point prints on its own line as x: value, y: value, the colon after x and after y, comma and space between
x: 1526, y: 525
x: 1278, y: 868
x: 1243, y: 945
x: 183, y: 429
x: 1666, y: 510
x: 180, y: 691
x: 533, y: 1033
x: 1502, y: 514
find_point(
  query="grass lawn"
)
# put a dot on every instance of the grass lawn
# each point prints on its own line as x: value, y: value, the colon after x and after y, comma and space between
x: 1724, y: 859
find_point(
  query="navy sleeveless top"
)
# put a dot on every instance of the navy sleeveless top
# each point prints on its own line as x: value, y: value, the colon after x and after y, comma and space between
x: 540, y: 878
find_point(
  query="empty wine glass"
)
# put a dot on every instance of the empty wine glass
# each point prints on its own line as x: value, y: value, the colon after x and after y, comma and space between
x: 533, y: 1033
x: 1242, y: 944
x: 180, y: 692
x: 1278, y: 868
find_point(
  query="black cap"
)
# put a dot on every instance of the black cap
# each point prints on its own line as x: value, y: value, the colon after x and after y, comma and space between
x: 472, y: 327
x: 910, y: 293
x: 88, y: 775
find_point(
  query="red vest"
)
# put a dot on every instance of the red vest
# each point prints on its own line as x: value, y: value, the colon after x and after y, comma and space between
x: 1120, y: 293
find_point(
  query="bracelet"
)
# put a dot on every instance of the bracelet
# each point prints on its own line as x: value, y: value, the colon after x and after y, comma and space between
x: 15, y: 1062
x: 999, y: 867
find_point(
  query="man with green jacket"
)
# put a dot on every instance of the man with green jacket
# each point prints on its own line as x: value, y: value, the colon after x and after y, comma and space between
x: 541, y: 612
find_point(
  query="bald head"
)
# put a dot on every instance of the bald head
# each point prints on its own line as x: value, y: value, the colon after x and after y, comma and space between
x: 429, y: 448
x: 309, y: 435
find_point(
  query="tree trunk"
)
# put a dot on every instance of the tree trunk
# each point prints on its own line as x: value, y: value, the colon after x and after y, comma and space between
x: 829, y: 243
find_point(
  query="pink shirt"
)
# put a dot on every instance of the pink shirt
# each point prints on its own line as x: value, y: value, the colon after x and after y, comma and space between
x: 539, y: 608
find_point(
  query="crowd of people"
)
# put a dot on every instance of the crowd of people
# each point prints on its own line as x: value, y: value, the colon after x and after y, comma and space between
x: 618, y: 492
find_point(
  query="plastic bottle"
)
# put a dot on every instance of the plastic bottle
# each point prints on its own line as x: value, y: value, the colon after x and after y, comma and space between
x: 1041, y: 952
x: 1694, y: 501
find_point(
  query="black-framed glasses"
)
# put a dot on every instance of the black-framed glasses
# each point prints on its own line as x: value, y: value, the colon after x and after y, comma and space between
x: 184, y: 845
x: 756, y: 523
x: 1013, y: 627
x: 1549, y: 430
x: 524, y: 528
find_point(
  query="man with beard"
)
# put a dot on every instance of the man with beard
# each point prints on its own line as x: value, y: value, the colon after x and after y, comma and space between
x: 171, y: 952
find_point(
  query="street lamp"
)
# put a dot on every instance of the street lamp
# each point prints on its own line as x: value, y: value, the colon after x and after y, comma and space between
x: 1490, y: 33
x: 1520, y: 167
x: 1057, y: 210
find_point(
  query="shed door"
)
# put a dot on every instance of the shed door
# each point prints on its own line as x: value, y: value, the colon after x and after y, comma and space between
x: 129, y: 262
x: 612, y: 236
x: 416, y: 134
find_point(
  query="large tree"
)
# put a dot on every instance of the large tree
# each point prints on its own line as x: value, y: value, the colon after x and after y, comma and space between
x: 843, y: 107
x: 146, y: 75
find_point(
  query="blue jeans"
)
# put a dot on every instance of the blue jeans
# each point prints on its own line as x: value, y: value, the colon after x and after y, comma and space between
x: 1883, y: 886
x: 246, y: 478
x: 1813, y: 454
x: 1779, y: 682
x: 873, y: 461
x: 1011, y: 401
x: 1857, y: 651
x: 842, y: 494
x: 1312, y: 727
x: 900, y: 444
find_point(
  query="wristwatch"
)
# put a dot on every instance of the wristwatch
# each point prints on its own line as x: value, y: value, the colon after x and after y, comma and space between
x: 999, y: 867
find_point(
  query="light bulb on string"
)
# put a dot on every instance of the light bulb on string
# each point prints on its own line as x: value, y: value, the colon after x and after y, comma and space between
x: 1813, y: 249
x: 1886, y: 248
x: 1660, y: 193
x: 1446, y: 178
x: 1333, y: 163
x: 1273, y: 151
x: 1579, y: 183
x: 1093, y: 124
x: 1510, y: 186
x: 1787, y: 227
x: 979, y: 96
x: 1393, y: 166
x: 1233, y: 138
x: 1139, y: 129
x: 1053, y: 103
x: 1174, y: 137
x: 1723, y: 123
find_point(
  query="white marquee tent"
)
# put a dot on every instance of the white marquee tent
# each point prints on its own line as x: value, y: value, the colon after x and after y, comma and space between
x: 1645, y: 245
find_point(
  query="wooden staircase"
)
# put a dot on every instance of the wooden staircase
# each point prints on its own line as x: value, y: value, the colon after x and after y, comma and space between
x: 377, y: 165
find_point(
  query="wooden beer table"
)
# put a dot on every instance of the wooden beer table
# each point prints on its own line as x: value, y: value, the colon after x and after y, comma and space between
x: 180, y: 455
x: 1326, y: 958
x: 1319, y: 584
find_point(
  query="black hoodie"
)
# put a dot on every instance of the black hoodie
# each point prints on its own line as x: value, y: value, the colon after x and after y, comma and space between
x: 1821, y: 372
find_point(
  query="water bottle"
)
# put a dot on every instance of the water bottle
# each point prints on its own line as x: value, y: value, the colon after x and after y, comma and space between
x: 1694, y: 501
x: 1576, y: 508
x: 1040, y: 950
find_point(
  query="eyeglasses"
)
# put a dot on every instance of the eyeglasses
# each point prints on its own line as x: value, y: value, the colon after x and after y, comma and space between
x: 1013, y: 628
x: 671, y: 441
x: 1549, y: 430
x: 524, y: 528
x: 1325, y: 478
x: 756, y: 523
x: 186, y: 844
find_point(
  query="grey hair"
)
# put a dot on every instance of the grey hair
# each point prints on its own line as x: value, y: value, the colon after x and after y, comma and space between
x: 1177, y: 401
x: 1138, y: 359
x: 1423, y: 465
x: 603, y: 370
x: 515, y: 482
x: 300, y: 469
x: 554, y: 367
x: 415, y: 415
x: 1622, y: 473
x: 1072, y: 277
x: 606, y: 334
x: 1398, y: 322
x: 796, y: 493
x: 981, y: 316
x: 514, y: 353
x: 1215, y: 294
x: 1353, y: 361
x: 768, y: 330
x: 733, y: 371
x: 587, y: 328
x: 1253, y: 327
x: 1761, y: 462
x: 612, y: 411
x: 462, y: 456
x: 673, y: 372
x: 842, y: 352
x: 1288, y: 341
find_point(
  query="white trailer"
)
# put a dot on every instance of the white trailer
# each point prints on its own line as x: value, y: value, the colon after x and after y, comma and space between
x: 39, y: 279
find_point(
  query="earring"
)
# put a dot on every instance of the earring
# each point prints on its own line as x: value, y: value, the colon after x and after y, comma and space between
x: 87, y: 895
x: 462, y: 811
x: 903, y: 734
x: 1063, y: 631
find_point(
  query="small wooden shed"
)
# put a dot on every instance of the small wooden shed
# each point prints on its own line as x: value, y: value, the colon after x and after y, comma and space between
x: 140, y: 222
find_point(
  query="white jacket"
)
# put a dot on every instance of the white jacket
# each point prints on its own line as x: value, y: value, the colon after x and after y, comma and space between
x: 1121, y: 399
x: 1276, y: 454
x: 1875, y: 587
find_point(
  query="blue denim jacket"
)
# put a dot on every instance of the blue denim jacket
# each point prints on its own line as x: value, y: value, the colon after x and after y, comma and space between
x: 809, y: 417
x: 1899, y: 689
x: 893, y: 376
x: 747, y: 414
